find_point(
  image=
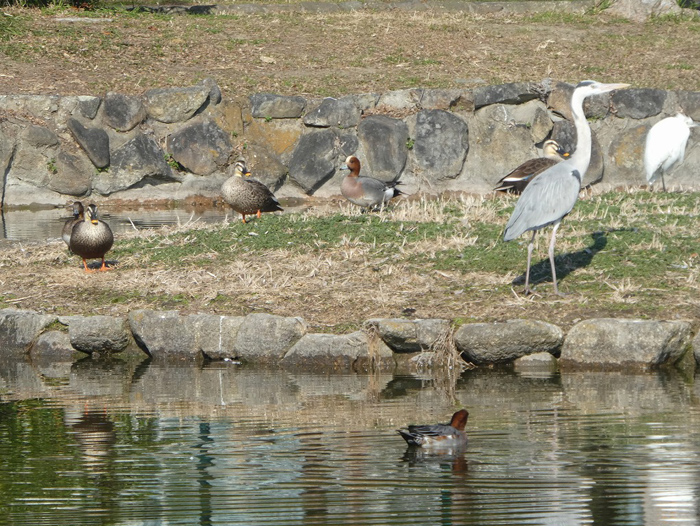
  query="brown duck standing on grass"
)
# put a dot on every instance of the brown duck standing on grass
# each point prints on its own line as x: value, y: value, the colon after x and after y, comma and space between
x: 78, y: 216
x: 516, y: 181
x: 248, y: 196
x: 366, y: 191
x: 91, y: 238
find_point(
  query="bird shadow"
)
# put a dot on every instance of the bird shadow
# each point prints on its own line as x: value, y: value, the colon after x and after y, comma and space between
x: 567, y: 263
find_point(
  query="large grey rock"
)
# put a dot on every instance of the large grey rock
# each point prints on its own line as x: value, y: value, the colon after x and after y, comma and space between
x: 164, y: 335
x: 384, y: 141
x: 215, y: 96
x: 441, y: 143
x: 72, y: 174
x: 136, y: 160
x: 442, y: 99
x: 266, y: 167
x: 34, y: 159
x: 696, y: 347
x: 271, y: 106
x: 88, y: 106
x: 689, y: 101
x: 19, y: 329
x: 94, y: 141
x: 638, y: 103
x: 606, y: 342
x: 265, y: 338
x: 492, y: 343
x: 175, y: 104
x: 511, y: 93
x: 355, y: 351
x: 404, y: 99
x: 313, y: 160
x: 495, y: 126
x: 411, y: 335
x: 122, y: 112
x: 97, y: 334
x: 215, y: 335
x: 641, y: 10
x: 53, y: 346
x: 168, y: 336
x: 627, y: 154
x: 200, y: 146
x: 342, y: 112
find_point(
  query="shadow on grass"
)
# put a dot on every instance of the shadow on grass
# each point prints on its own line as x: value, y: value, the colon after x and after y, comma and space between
x: 567, y: 263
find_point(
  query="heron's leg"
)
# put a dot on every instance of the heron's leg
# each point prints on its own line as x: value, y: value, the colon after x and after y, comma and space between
x: 551, y: 256
x: 663, y: 182
x: 529, y: 258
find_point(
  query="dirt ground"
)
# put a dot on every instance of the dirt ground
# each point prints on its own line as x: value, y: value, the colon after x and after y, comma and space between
x: 316, y: 54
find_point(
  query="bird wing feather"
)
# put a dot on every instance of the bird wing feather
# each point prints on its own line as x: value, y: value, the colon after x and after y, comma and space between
x: 546, y: 200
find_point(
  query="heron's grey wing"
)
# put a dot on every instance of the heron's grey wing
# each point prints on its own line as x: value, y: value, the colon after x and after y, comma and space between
x: 546, y: 200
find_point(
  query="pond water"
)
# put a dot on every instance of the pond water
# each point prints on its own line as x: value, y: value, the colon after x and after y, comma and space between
x: 46, y: 224
x: 42, y: 224
x: 112, y: 442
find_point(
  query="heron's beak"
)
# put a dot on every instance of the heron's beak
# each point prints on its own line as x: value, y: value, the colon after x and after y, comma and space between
x: 611, y: 87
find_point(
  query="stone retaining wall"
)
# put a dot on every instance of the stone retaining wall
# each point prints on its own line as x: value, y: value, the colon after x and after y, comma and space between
x: 173, y: 143
x: 384, y: 344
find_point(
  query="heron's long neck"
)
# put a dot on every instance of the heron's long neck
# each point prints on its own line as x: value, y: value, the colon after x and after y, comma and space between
x: 581, y: 158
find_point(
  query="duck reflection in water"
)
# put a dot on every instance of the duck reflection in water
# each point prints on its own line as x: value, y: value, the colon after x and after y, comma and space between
x: 94, y: 432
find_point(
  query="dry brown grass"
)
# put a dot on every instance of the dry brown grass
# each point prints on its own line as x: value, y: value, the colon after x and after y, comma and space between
x: 335, y: 54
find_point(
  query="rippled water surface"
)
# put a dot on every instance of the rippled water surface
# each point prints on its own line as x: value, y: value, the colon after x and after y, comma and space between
x: 119, y: 443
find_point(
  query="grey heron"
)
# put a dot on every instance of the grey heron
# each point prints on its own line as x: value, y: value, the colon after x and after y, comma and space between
x: 665, y: 146
x: 516, y: 181
x: 363, y: 190
x: 553, y: 193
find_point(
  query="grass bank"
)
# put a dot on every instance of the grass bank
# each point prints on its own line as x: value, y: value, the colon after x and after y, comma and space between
x: 631, y: 254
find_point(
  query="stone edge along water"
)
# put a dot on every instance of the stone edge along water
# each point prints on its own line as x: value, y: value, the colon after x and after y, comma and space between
x: 383, y: 344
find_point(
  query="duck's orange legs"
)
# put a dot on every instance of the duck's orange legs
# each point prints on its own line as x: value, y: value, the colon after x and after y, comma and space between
x: 86, y: 267
x: 104, y: 265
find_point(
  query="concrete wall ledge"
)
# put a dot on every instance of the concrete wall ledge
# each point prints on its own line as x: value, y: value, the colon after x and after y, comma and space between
x: 383, y: 344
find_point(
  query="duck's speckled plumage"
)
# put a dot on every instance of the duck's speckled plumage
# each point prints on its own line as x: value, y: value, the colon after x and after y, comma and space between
x: 438, y: 435
x: 91, y: 238
x: 363, y: 190
x: 248, y: 196
x: 516, y: 181
x: 78, y: 216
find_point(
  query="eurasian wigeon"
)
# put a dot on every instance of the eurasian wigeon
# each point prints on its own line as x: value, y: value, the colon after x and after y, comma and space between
x: 516, y: 181
x: 363, y: 190
x: 438, y: 435
x: 248, y: 196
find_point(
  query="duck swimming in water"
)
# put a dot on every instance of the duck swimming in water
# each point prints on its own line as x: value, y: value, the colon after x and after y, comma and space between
x: 248, y: 196
x: 438, y: 435
x: 363, y: 190
x: 516, y: 181
x: 91, y: 238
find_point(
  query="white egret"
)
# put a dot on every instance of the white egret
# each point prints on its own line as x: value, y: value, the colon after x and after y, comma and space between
x: 665, y: 146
